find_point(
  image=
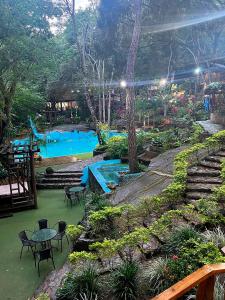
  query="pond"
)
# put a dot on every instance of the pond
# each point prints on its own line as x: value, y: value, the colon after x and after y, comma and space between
x: 65, y: 143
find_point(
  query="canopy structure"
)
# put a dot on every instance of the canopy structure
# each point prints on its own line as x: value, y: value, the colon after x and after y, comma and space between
x: 18, y: 191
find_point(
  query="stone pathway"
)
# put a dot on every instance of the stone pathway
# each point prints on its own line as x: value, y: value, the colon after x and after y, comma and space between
x: 81, y: 164
x: 205, y: 177
x: 151, y: 183
x: 52, y: 282
x: 70, y: 127
x: 210, y: 127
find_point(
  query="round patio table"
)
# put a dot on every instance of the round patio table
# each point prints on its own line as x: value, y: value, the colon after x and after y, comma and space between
x: 43, y: 235
x: 76, y: 191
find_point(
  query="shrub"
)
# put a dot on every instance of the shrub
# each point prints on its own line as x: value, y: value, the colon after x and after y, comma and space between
x: 192, y: 256
x: 43, y: 296
x: 74, y: 232
x: 3, y: 172
x: 179, y: 237
x: 216, y: 236
x: 124, y: 282
x: 75, y: 257
x: 118, y: 146
x: 87, y: 282
x: 196, y: 135
x: 49, y: 170
x: 156, y: 276
x: 76, y: 286
x: 95, y: 202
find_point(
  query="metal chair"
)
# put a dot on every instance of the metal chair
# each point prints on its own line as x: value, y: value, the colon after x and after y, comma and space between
x: 69, y: 197
x: 41, y: 255
x: 61, y: 233
x: 26, y: 242
x: 43, y: 224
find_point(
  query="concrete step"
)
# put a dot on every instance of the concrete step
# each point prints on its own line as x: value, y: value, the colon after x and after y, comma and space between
x: 221, y: 154
x: 197, y: 195
x: 210, y: 165
x: 60, y: 180
x: 203, y: 171
x: 204, y: 179
x: 64, y: 175
x: 201, y: 187
x: 68, y: 172
x: 56, y: 185
x: 214, y: 158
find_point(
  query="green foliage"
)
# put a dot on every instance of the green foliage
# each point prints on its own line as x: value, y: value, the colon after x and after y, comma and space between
x: 223, y: 170
x: 197, y: 132
x: 118, y: 146
x: 68, y: 289
x: 95, y: 202
x: 105, y: 249
x: 210, y: 211
x: 215, y: 87
x: 199, y: 253
x: 174, y: 192
x: 216, y: 236
x: 179, y: 237
x: 43, y: 296
x: 26, y: 102
x: 74, y: 232
x: 75, y: 257
x: 75, y: 286
x: 124, y: 281
x: 156, y: 276
x: 3, y: 172
x: 193, y: 255
x: 106, y: 215
x: 49, y: 170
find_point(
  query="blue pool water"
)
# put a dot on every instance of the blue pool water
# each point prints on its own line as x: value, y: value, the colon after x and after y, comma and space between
x: 67, y: 143
x: 105, y: 172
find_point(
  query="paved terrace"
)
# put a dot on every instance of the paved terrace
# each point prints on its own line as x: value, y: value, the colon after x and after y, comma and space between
x: 150, y: 183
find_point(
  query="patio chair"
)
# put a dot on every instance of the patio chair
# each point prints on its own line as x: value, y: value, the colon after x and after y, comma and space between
x: 26, y: 242
x: 69, y: 197
x: 43, y: 224
x: 61, y: 233
x: 44, y: 254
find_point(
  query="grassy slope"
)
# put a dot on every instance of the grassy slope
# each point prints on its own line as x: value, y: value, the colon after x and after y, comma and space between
x: 19, y: 279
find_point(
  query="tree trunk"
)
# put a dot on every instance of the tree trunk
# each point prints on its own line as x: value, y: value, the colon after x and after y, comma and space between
x: 130, y: 96
x: 109, y: 109
x: 103, y: 91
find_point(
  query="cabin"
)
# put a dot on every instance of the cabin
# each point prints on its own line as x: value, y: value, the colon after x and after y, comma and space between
x: 18, y: 186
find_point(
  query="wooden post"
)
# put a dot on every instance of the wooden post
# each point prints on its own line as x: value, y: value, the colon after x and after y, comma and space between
x: 33, y: 178
x: 206, y: 289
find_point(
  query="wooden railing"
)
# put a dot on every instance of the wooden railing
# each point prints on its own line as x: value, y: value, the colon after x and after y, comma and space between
x: 203, y: 278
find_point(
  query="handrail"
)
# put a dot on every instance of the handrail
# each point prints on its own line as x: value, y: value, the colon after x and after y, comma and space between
x: 204, y: 278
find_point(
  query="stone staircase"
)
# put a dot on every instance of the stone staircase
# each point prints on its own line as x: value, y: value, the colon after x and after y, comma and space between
x: 59, y: 180
x: 205, y: 177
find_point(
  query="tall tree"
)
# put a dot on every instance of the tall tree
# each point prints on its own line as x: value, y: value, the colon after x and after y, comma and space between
x: 24, y: 31
x: 132, y: 55
x: 81, y: 47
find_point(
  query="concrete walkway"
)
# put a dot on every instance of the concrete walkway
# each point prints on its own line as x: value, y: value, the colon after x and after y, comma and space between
x: 211, y: 127
x: 150, y: 183
x: 81, y: 164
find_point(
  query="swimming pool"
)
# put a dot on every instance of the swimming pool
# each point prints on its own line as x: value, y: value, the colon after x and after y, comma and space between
x: 105, y: 173
x: 67, y: 143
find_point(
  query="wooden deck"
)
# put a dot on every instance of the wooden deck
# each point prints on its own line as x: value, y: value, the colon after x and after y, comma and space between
x: 5, y: 189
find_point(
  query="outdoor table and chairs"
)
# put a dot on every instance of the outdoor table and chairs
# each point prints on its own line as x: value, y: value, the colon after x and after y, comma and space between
x: 43, y: 236
x: 40, y: 240
x: 74, y: 194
